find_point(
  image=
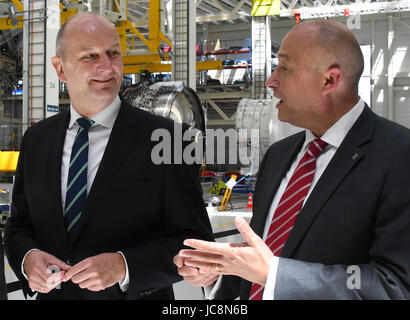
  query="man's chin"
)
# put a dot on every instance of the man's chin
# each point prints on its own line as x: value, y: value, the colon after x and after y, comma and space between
x: 102, y: 97
x: 282, y: 116
x: 104, y: 93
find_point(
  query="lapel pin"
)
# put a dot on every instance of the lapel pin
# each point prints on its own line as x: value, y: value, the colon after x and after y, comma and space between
x: 354, y: 157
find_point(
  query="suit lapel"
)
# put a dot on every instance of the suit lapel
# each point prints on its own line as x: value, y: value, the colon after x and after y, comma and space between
x: 123, y: 136
x: 348, y: 155
x: 275, y: 168
x: 58, y: 133
x: 273, y: 174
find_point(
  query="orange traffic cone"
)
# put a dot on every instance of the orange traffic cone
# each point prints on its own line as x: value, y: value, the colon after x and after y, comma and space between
x: 249, y: 201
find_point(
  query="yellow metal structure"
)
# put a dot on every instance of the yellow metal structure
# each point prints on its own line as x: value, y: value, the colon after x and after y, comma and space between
x: 265, y: 8
x: 18, y: 5
x: 5, y: 23
x: 64, y: 15
x: 159, y: 67
x: 218, y: 187
x: 227, y: 196
x: 143, y: 58
x: 8, y: 160
x: 154, y: 29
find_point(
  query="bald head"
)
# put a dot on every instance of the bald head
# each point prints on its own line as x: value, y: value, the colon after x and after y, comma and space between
x: 328, y: 44
x: 78, y: 21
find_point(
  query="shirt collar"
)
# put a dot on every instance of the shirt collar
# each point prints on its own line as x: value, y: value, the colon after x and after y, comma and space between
x: 105, y: 117
x: 335, y: 135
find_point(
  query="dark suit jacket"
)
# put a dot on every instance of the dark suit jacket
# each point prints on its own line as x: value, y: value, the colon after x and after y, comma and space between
x: 3, y: 290
x: 357, y: 214
x: 134, y: 206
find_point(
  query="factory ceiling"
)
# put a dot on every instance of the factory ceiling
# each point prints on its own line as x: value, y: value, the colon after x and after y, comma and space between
x: 233, y: 11
x: 227, y: 13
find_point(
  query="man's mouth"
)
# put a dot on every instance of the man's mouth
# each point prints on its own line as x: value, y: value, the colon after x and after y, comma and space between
x: 279, y: 103
x: 280, y: 100
x: 102, y: 81
x: 277, y: 97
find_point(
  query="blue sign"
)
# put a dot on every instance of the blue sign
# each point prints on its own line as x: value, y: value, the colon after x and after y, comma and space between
x: 4, y: 207
x: 52, y: 108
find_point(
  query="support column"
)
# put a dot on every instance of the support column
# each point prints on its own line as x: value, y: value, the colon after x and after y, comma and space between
x: 261, y: 56
x: 391, y: 112
x: 183, y: 42
x: 52, y: 81
x: 40, y: 82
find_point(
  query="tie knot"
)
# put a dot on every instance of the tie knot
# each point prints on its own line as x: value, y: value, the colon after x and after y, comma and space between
x: 316, y: 147
x: 85, y: 123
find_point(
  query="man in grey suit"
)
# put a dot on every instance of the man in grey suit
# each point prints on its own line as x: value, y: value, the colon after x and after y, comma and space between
x: 350, y: 236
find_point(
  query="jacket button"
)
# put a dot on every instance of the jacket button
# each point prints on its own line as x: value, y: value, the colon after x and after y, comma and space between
x: 68, y: 261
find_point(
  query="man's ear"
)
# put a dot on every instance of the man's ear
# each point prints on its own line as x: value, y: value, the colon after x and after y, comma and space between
x: 331, y: 80
x: 56, y: 62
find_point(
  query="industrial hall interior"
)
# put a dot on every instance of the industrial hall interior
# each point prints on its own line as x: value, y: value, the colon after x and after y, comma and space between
x: 225, y: 78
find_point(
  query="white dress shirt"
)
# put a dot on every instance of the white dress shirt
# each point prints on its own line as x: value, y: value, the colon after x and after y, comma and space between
x: 334, y: 136
x: 98, y: 136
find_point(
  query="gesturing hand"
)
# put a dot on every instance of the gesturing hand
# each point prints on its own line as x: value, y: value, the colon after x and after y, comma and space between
x: 250, y: 260
x: 192, y: 274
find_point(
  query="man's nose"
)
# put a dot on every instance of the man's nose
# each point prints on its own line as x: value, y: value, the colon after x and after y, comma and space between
x: 104, y: 63
x: 272, y: 81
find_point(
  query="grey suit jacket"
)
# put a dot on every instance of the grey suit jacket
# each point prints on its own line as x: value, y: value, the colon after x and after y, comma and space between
x: 352, y: 237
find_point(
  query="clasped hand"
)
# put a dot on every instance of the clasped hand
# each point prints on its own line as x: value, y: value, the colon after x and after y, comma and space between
x: 94, y: 273
x: 250, y: 260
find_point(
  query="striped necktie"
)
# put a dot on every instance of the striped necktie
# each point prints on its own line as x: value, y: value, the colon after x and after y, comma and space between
x: 76, y: 195
x: 290, y: 205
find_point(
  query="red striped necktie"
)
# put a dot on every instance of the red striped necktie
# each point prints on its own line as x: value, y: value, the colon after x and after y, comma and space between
x: 290, y: 204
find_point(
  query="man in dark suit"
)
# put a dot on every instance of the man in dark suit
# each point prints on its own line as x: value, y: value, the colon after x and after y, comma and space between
x: 105, y: 225
x: 344, y: 233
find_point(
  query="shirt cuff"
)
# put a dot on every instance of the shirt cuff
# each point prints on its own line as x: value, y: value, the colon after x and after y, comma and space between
x: 22, y: 263
x: 211, y: 290
x: 124, y: 283
x: 269, y: 292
